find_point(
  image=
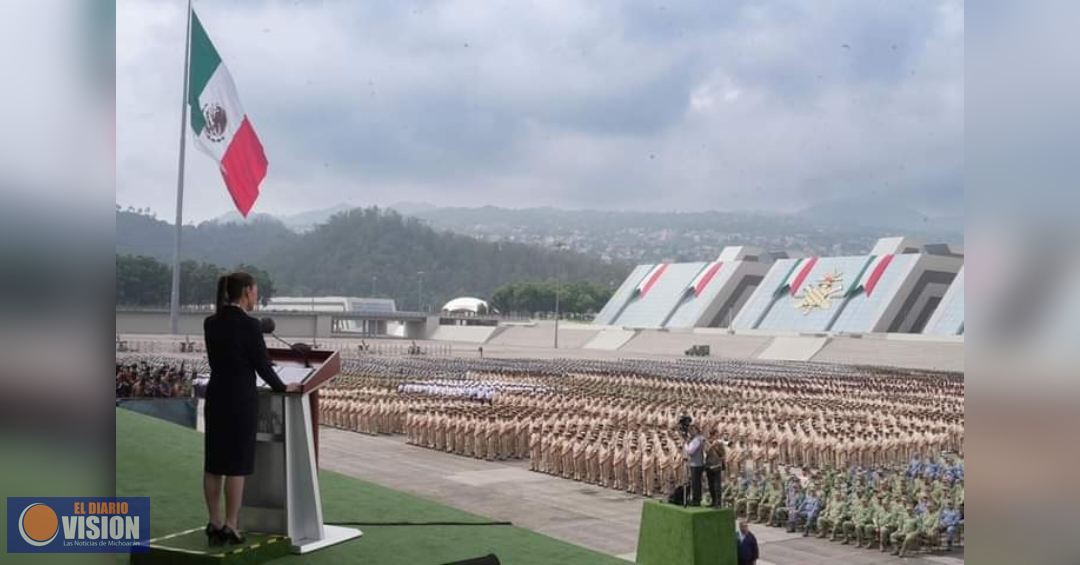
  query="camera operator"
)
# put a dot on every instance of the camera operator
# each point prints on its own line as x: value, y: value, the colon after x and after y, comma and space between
x: 695, y: 456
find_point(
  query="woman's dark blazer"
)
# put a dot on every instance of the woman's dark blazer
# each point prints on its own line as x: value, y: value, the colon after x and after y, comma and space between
x: 236, y: 351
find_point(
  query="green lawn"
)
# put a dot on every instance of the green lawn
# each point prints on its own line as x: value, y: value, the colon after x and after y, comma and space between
x: 164, y: 461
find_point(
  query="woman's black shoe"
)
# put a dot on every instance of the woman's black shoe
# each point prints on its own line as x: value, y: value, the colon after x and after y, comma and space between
x: 213, y: 535
x: 231, y: 536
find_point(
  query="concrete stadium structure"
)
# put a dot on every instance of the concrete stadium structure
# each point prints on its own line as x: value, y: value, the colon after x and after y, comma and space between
x: 901, y: 305
x: 894, y: 289
x: 948, y: 318
x: 347, y: 304
x: 687, y: 295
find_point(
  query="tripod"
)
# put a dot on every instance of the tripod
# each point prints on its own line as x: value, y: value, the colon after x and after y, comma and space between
x: 688, y: 491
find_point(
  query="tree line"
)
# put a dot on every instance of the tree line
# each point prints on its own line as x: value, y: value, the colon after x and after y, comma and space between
x: 528, y: 298
x: 144, y: 281
x: 371, y: 252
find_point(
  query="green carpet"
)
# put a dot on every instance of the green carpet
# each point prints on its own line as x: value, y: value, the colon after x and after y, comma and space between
x: 164, y: 461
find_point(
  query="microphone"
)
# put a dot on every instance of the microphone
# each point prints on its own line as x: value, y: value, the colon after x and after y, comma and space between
x: 268, y: 326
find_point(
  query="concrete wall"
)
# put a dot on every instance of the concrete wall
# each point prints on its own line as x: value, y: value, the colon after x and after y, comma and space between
x: 463, y: 334
x: 289, y: 324
x: 622, y: 295
x: 677, y: 342
x: 784, y: 348
x: 610, y: 340
x: 542, y: 335
x: 942, y: 354
x: 948, y: 319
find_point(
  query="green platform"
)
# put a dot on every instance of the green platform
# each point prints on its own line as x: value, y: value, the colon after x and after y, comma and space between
x: 673, y: 535
x: 164, y: 461
x: 189, y: 547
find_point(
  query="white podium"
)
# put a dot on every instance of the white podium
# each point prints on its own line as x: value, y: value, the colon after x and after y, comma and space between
x: 282, y: 496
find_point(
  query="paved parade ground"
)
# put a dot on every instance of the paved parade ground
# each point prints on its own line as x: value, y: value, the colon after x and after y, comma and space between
x: 593, y: 517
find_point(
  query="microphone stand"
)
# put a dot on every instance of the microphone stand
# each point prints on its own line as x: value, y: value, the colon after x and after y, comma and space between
x: 301, y: 351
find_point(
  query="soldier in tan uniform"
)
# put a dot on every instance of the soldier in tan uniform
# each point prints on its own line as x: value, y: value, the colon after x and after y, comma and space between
x: 618, y: 464
x: 648, y: 469
x: 557, y: 454
x: 506, y: 436
x: 633, y: 470
x: 480, y: 438
x: 535, y: 449
x: 577, y: 453
x: 491, y: 439
x: 603, y: 457
x: 567, y: 456
x: 451, y: 433
x: 592, y: 472
x: 522, y: 430
x: 469, y: 439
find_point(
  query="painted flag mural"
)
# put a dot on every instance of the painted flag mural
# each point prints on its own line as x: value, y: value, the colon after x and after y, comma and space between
x: 222, y: 129
x: 697, y: 286
x: 798, y: 275
x: 650, y: 279
x: 872, y: 273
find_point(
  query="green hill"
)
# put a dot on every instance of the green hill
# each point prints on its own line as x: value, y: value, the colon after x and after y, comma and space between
x: 341, y: 256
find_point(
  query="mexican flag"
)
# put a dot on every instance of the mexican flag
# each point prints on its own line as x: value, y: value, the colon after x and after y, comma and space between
x: 871, y: 274
x: 697, y: 286
x: 797, y: 276
x: 221, y: 128
x: 650, y: 279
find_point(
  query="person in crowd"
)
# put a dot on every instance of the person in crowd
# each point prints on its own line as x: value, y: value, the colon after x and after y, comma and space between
x: 747, y: 545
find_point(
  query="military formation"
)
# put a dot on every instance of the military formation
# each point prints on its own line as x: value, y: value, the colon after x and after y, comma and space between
x: 611, y: 424
x: 854, y: 454
x: 894, y: 509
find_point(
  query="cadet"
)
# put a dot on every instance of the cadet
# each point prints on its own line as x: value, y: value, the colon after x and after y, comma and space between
x: 773, y: 499
x: 949, y: 522
x: 832, y: 518
x: 908, y: 536
x: 808, y: 511
x: 893, y: 521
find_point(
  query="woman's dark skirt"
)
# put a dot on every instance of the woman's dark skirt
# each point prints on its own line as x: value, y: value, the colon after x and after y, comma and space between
x: 230, y: 437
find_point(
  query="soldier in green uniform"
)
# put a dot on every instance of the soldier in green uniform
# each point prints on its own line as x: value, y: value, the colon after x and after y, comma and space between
x: 857, y: 517
x: 891, y: 522
x: 929, y: 532
x: 908, y: 534
x: 832, y: 517
x: 731, y: 490
x: 750, y: 499
x: 773, y: 499
x: 876, y: 512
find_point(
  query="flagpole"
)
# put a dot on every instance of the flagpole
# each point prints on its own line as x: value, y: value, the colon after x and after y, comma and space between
x: 174, y: 300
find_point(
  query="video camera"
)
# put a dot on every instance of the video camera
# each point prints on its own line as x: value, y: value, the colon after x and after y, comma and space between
x: 684, y: 424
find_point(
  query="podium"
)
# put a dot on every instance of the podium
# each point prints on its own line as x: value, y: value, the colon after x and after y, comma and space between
x: 282, y: 496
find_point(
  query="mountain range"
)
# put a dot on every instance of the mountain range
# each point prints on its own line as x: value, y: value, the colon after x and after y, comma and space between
x: 842, y: 227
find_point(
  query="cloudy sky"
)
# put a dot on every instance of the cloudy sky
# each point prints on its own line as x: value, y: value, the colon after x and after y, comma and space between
x: 616, y: 105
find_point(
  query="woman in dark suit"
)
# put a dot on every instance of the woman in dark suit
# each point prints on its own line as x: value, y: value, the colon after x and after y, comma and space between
x: 236, y: 351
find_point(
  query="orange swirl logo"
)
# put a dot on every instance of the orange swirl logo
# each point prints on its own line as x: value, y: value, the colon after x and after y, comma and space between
x: 38, y: 524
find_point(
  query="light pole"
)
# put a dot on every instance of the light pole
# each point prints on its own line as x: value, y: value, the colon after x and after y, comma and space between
x: 419, y: 291
x: 558, y: 283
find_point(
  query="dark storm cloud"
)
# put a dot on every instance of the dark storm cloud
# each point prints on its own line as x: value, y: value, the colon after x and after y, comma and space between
x: 718, y: 105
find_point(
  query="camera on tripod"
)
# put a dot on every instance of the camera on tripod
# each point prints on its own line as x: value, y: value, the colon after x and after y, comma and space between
x: 684, y: 424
